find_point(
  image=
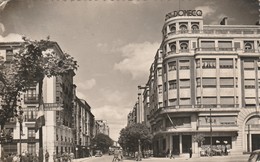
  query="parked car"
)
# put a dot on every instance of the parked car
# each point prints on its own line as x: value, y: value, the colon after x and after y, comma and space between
x: 254, y: 156
x: 98, y: 153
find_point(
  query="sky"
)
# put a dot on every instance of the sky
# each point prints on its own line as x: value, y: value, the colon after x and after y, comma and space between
x: 114, y: 41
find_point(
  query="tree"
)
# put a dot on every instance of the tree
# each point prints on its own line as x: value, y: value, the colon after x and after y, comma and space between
x: 130, y: 135
x: 199, y: 138
x: 102, y: 142
x: 29, y: 66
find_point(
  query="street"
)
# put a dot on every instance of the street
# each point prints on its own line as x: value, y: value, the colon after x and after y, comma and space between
x: 234, y: 158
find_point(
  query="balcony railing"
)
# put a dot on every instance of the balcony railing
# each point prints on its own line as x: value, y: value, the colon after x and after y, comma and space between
x: 203, y: 106
x: 215, y: 31
x: 31, y: 99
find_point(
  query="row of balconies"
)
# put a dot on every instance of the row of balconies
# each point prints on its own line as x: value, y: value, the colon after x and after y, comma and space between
x: 225, y: 32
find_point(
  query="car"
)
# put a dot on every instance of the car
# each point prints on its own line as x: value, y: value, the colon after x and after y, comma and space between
x: 98, y: 153
x: 254, y: 156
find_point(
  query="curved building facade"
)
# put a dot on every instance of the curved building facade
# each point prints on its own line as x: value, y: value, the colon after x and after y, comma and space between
x: 210, y: 86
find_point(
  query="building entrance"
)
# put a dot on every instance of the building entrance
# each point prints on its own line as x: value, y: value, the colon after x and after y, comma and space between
x: 176, y: 145
x: 186, y: 143
x: 255, y: 141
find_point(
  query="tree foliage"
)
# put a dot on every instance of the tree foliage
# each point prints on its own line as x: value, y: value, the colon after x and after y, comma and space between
x: 130, y: 135
x: 28, y: 67
x: 102, y: 142
x: 199, y: 138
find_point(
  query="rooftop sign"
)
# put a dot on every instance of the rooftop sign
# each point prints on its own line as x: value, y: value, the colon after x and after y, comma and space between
x: 184, y: 13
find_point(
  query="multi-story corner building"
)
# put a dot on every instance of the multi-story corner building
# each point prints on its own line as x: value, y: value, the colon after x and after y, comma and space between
x: 101, y: 126
x: 58, y: 97
x: 210, y: 81
x: 84, y: 122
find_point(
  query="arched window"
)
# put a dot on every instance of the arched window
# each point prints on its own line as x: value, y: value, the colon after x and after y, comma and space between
x: 172, y: 28
x: 195, y: 28
x: 173, y: 47
x: 183, y: 28
x: 184, y: 46
x: 248, y: 46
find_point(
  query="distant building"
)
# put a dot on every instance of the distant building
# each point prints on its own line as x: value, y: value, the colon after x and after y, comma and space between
x: 84, y: 122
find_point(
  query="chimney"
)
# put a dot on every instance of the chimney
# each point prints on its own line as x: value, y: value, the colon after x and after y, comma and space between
x: 224, y: 21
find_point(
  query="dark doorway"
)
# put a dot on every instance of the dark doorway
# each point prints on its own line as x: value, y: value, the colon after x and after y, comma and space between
x: 186, y: 143
x: 255, y: 141
x: 176, y: 145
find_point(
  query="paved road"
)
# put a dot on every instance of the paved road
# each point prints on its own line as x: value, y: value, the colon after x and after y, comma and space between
x: 106, y: 158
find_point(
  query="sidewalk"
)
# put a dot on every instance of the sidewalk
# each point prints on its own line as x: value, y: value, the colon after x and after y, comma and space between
x: 206, y: 159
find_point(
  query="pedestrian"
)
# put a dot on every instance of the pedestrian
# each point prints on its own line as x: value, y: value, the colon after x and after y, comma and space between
x: 190, y: 152
x: 226, y: 153
x: 47, y: 155
x: 167, y: 153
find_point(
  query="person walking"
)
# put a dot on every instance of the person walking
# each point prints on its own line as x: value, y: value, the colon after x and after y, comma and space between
x: 47, y: 155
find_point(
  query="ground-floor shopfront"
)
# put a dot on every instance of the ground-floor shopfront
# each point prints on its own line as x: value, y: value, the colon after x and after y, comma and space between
x: 181, y: 143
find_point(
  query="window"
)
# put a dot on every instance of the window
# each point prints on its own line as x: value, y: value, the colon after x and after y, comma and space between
x: 185, y: 101
x: 237, y: 45
x: 173, y: 84
x: 226, y: 63
x: 159, y: 72
x: 160, y: 88
x: 184, y: 64
x: 225, y: 45
x: 209, y: 100
x: 208, y: 45
x: 165, y: 86
x: 184, y: 46
x: 226, y: 82
x: 172, y: 66
x: 209, y: 82
x: 249, y: 65
x: 248, y: 46
x: 183, y: 27
x: 160, y: 104
x: 173, y: 47
x: 195, y: 28
x: 198, y: 63
x: 198, y: 82
x: 31, y: 148
x: 172, y: 28
x: 208, y: 63
x: 227, y: 100
x: 249, y: 83
x: 31, y: 133
x: 172, y: 102
x: 184, y: 83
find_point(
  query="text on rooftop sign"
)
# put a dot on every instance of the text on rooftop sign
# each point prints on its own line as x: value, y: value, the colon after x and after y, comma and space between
x: 184, y: 13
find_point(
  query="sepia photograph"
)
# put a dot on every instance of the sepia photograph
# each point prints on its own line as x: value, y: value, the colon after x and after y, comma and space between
x: 129, y: 80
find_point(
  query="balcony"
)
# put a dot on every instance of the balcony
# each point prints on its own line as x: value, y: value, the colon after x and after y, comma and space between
x: 31, y: 99
x: 215, y: 32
